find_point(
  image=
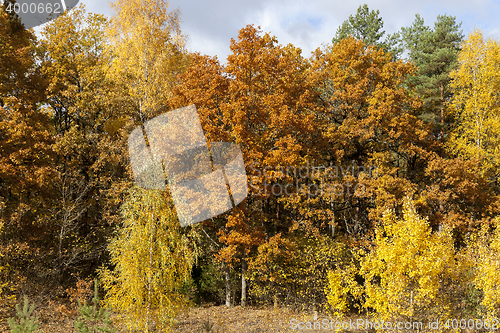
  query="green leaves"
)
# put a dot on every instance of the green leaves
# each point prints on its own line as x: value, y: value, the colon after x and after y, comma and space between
x: 366, y: 25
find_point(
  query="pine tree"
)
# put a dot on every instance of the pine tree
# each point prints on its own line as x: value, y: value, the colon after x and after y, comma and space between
x: 92, y: 315
x: 434, y: 52
x: 367, y: 26
x: 26, y: 323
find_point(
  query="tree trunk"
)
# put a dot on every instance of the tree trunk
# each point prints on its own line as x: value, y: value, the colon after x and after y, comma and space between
x: 228, y: 288
x: 243, y: 283
x: 442, y: 113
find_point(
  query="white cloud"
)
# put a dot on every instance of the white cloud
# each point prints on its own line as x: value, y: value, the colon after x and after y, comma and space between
x: 308, y: 24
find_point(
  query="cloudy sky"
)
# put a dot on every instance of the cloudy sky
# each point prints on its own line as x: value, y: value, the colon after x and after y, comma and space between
x: 308, y: 24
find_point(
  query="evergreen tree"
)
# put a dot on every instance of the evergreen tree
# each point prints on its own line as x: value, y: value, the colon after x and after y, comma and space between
x: 367, y: 26
x: 412, y: 39
x: 434, y: 51
x: 26, y: 322
x: 93, y: 319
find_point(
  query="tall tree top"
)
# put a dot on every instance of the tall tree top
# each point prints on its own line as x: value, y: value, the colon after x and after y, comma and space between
x: 434, y: 52
x: 366, y: 25
x: 148, y: 49
x: 18, y: 76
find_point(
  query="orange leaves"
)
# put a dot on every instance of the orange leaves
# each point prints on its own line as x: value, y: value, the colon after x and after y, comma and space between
x: 268, y: 91
x: 367, y: 114
x: 204, y: 85
x: 363, y: 93
x: 24, y: 128
x: 277, y: 250
x: 262, y: 100
x: 239, y: 237
x: 459, y: 194
x: 260, y: 97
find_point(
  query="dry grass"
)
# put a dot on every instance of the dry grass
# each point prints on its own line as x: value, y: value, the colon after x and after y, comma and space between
x: 58, y: 318
x: 235, y: 319
x: 221, y: 319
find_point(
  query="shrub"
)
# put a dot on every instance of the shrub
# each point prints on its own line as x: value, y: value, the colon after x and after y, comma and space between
x: 411, y: 273
x: 484, y: 255
x: 295, y: 269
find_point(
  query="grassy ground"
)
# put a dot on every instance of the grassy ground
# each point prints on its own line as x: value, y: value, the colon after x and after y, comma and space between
x: 238, y: 319
x: 58, y: 318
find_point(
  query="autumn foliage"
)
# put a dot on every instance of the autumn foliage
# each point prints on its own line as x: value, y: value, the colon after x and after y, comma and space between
x: 372, y: 177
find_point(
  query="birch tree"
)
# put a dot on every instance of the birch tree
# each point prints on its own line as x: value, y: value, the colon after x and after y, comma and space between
x: 151, y: 260
x: 148, y: 49
x: 475, y: 105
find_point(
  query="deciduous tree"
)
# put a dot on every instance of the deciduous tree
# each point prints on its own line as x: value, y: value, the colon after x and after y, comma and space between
x: 26, y: 168
x: 368, y: 117
x: 150, y: 258
x: 475, y: 104
x: 409, y: 274
x: 90, y: 134
x: 148, y: 53
x: 262, y: 101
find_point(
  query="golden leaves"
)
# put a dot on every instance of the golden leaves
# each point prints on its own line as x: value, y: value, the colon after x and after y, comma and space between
x: 151, y: 259
x: 476, y: 103
x: 405, y: 273
x: 148, y: 53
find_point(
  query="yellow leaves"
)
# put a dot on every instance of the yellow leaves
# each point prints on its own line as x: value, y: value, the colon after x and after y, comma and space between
x: 482, y: 257
x: 335, y: 294
x: 341, y: 287
x: 295, y: 267
x: 405, y: 273
x: 148, y: 50
x: 151, y: 259
x: 476, y: 104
